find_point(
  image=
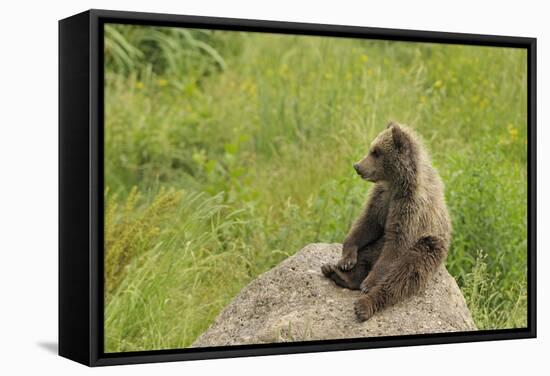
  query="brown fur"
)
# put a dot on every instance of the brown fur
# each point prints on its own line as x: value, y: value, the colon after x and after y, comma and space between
x: 404, y: 232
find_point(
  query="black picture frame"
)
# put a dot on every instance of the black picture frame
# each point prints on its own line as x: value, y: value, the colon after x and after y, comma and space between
x: 81, y: 186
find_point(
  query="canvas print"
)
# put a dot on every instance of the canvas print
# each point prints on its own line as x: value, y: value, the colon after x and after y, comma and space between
x: 273, y: 188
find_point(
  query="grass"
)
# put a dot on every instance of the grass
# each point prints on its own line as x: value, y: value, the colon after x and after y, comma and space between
x: 227, y: 152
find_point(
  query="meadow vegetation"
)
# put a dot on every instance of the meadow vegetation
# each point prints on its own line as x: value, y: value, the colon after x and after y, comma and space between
x: 227, y: 152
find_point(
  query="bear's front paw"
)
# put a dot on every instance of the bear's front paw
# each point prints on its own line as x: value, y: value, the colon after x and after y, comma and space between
x: 363, y: 309
x: 347, y: 263
x: 365, y: 286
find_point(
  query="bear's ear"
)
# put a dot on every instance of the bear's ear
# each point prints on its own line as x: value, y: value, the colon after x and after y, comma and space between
x: 400, y: 138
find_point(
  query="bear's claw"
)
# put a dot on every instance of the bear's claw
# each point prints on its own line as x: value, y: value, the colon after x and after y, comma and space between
x: 346, y: 264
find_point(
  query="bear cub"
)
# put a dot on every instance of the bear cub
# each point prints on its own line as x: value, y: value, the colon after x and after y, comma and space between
x: 404, y: 231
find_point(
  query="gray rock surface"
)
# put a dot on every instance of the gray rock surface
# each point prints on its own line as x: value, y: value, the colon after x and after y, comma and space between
x: 295, y: 302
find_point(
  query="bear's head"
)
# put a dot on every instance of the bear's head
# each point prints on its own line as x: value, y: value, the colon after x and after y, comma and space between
x: 390, y: 155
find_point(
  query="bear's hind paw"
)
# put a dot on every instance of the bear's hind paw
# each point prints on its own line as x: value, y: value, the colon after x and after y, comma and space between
x: 363, y: 309
x: 327, y: 269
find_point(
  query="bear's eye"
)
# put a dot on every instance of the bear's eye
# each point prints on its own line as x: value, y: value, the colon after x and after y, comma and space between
x: 375, y: 153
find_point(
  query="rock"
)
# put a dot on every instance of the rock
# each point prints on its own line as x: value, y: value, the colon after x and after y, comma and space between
x: 295, y: 302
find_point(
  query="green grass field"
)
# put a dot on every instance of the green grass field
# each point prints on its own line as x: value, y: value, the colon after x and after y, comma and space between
x: 227, y: 152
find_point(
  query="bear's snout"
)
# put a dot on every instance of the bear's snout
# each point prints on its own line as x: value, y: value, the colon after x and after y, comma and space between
x: 362, y: 171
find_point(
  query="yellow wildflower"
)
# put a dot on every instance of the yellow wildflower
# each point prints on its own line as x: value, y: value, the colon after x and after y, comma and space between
x: 483, y: 103
x: 512, y: 131
x: 252, y: 89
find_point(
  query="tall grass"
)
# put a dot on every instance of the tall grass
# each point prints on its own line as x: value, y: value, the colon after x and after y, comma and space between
x: 217, y: 172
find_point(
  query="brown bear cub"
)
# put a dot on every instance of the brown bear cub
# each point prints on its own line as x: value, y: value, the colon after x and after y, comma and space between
x: 404, y: 232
